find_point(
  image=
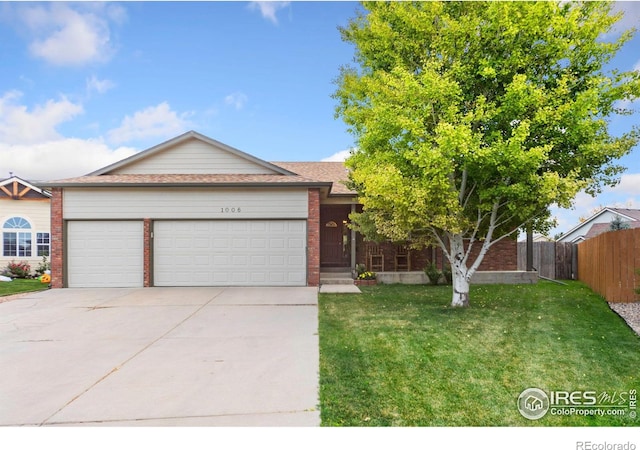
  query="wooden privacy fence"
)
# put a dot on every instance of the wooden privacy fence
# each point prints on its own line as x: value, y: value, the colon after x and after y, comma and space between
x: 607, y: 263
x: 555, y: 260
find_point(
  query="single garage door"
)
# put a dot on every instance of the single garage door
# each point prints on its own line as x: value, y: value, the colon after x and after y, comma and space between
x: 105, y: 254
x: 230, y: 253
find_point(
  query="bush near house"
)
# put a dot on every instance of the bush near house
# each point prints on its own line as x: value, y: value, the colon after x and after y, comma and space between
x: 17, y: 270
x: 43, y: 266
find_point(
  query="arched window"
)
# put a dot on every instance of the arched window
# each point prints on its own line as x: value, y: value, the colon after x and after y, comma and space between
x: 17, y: 222
x: 16, y: 243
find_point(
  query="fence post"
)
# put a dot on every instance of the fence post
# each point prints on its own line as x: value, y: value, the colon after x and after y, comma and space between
x: 529, y: 248
x: 574, y: 261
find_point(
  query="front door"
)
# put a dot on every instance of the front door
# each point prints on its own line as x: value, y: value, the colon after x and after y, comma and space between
x: 335, y: 242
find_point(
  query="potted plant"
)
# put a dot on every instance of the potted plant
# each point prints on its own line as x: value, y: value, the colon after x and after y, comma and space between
x: 366, y: 279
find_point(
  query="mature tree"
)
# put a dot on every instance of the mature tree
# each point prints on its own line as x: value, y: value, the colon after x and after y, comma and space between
x: 472, y: 118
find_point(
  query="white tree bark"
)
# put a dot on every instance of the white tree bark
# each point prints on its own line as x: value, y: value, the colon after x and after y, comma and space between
x: 458, y: 258
x: 461, y: 274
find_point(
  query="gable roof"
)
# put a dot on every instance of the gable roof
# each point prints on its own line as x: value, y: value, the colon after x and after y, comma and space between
x: 599, y: 228
x: 330, y: 177
x: 183, y: 138
x: 628, y: 215
x: 16, y: 188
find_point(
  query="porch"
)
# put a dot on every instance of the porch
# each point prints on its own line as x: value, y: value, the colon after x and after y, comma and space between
x: 342, y: 249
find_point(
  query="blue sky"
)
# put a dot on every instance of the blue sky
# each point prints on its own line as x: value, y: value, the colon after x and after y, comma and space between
x: 83, y: 85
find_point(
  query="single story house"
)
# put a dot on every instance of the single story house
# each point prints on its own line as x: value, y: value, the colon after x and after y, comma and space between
x: 193, y: 211
x: 600, y: 223
x: 25, y: 222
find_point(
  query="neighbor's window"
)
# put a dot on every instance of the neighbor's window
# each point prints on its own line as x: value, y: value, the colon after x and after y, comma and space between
x: 43, y: 243
x: 14, y: 242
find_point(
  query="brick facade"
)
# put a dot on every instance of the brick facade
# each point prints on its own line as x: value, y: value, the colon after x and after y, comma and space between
x: 313, y: 238
x: 57, y: 238
x: 147, y: 253
x: 501, y: 256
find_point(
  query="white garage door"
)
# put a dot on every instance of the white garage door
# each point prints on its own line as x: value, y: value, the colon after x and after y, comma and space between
x: 105, y: 254
x: 230, y: 253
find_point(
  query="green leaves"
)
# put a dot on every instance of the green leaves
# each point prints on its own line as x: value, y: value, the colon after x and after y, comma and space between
x: 459, y: 106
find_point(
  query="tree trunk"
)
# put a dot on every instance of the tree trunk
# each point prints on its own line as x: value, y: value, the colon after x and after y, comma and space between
x: 461, y: 274
x: 460, y: 290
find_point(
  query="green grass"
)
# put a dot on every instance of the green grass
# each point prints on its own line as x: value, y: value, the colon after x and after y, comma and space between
x: 399, y: 355
x: 19, y: 286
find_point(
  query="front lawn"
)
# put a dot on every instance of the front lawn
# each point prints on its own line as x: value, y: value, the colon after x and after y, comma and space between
x: 19, y: 286
x: 398, y: 355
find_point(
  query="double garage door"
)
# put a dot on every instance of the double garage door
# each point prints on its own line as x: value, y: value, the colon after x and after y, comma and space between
x: 188, y: 253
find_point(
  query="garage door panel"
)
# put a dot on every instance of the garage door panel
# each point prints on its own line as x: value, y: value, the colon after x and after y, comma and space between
x: 105, y: 254
x: 230, y: 252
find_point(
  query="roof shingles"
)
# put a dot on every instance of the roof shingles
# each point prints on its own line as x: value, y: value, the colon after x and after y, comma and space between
x: 321, y: 174
x: 187, y: 179
x: 334, y: 172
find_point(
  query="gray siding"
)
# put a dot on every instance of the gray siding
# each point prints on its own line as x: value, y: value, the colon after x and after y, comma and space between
x: 194, y: 157
x: 185, y: 203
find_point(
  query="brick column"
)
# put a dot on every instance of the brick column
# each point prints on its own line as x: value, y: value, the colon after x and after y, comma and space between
x: 57, y: 239
x: 147, y: 253
x: 313, y: 238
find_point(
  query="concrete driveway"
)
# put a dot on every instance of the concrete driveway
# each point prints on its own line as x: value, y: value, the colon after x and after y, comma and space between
x: 160, y: 357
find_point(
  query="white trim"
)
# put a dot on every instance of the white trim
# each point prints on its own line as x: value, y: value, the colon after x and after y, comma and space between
x: 25, y: 183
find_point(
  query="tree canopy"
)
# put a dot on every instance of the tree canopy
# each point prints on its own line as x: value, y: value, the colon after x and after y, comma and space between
x: 472, y: 118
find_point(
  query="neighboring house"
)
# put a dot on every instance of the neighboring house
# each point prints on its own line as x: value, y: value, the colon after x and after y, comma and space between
x: 195, y: 212
x: 600, y: 223
x: 24, y: 222
x: 541, y: 238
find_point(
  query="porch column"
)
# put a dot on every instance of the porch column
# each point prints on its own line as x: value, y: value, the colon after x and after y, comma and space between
x: 353, y: 242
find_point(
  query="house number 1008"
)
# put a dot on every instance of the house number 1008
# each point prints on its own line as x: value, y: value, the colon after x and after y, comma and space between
x: 230, y: 210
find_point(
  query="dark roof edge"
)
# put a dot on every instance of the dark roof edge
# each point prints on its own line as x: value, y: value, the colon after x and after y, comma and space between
x: 63, y: 184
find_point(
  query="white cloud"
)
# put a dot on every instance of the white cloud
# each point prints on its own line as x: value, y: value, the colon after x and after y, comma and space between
x: 71, y: 35
x: 629, y: 184
x: 32, y: 148
x: 57, y: 159
x: 237, y: 100
x: 339, y: 156
x: 269, y: 9
x: 153, y: 122
x: 20, y: 125
x: 99, y: 86
x: 636, y: 66
x: 631, y: 17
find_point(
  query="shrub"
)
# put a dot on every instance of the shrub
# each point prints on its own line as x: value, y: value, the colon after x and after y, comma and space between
x: 433, y: 273
x: 43, y: 266
x: 448, y: 275
x: 17, y: 270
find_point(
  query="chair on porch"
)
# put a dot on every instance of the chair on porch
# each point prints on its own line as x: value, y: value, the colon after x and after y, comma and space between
x: 375, y: 258
x: 402, y: 258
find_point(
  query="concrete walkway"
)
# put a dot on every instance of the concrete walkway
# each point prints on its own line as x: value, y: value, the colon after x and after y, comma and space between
x: 160, y: 357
